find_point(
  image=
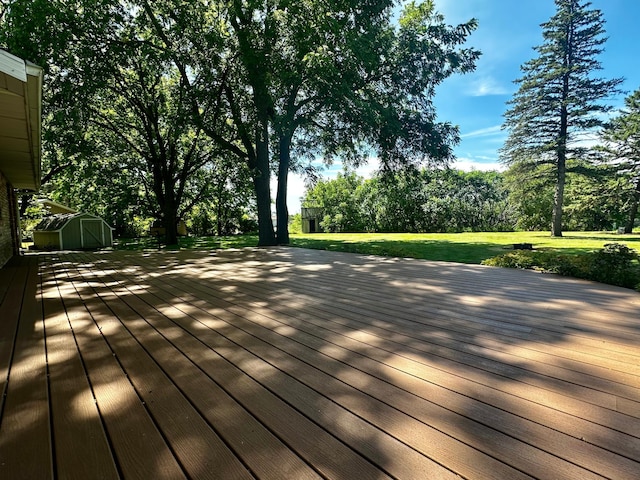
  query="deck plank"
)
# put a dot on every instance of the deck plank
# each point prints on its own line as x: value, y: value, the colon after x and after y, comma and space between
x: 442, y: 349
x: 603, y: 391
x: 515, y: 427
x: 13, y: 279
x: 81, y: 446
x: 25, y: 435
x: 268, y: 456
x: 138, y: 447
x: 331, y: 457
x: 289, y: 363
x: 196, y: 445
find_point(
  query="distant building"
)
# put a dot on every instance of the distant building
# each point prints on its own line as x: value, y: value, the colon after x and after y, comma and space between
x: 20, y: 144
x: 311, y: 218
x: 53, y: 208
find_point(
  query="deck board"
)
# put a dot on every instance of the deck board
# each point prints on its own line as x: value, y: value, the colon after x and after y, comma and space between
x: 197, y: 447
x: 26, y: 413
x: 81, y: 446
x: 460, y: 352
x: 138, y: 446
x: 12, y: 290
x: 248, y: 438
x: 290, y: 363
x: 514, y: 427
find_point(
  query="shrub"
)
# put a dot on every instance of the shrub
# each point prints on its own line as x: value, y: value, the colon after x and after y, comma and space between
x: 615, y: 264
x: 295, y: 223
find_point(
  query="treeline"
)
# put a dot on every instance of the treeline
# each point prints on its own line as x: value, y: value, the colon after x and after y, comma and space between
x: 447, y: 200
x: 174, y: 109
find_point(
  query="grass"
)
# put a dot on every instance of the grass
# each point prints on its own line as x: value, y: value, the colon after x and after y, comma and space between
x: 461, y: 247
x: 188, y: 243
x: 454, y: 247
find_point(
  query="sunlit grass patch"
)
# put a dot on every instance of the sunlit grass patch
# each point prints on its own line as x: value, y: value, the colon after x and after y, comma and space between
x: 470, y: 247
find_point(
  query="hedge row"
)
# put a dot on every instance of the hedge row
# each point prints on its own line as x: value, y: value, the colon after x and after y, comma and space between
x: 615, y: 264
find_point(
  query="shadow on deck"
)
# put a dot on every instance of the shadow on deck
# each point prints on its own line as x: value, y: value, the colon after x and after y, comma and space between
x: 292, y: 363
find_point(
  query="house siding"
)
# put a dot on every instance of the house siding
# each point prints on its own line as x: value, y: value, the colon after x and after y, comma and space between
x: 8, y: 221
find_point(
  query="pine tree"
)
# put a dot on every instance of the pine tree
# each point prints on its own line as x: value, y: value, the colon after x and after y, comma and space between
x: 558, y: 99
x: 622, y: 136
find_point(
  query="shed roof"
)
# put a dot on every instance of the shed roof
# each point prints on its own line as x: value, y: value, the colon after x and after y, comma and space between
x: 56, y: 222
x: 20, y: 121
x: 52, y: 223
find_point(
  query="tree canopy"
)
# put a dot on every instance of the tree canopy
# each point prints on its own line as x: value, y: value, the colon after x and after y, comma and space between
x: 172, y: 89
x: 413, y: 200
x: 622, y: 139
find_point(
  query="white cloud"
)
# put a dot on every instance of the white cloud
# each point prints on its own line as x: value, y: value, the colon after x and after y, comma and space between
x: 485, y: 132
x: 470, y: 165
x: 485, y: 86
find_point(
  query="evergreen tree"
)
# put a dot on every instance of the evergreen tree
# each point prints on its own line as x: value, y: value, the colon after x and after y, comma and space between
x: 558, y: 99
x: 623, y: 137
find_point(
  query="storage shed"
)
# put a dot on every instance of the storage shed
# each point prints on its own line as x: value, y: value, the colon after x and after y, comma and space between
x: 70, y: 231
x: 311, y: 218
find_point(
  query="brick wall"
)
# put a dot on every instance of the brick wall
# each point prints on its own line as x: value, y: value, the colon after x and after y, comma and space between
x: 7, y: 220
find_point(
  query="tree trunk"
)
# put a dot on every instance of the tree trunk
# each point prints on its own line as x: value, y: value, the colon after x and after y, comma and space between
x: 25, y: 201
x: 266, y: 236
x: 171, y: 225
x: 561, y: 176
x: 558, y: 200
x: 164, y: 190
x: 219, y: 219
x: 633, y: 210
x: 261, y: 180
x: 282, y: 212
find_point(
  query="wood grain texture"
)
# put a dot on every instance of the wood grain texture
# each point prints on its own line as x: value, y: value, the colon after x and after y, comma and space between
x: 25, y: 434
x: 290, y: 363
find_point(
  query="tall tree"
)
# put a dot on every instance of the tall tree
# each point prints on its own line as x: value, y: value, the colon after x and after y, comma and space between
x: 622, y: 136
x: 361, y: 81
x: 222, y: 50
x: 558, y: 99
x: 311, y: 78
x: 35, y: 30
x: 135, y: 105
x: 328, y: 79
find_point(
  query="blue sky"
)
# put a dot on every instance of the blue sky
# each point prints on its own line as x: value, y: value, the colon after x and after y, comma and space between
x: 507, y: 32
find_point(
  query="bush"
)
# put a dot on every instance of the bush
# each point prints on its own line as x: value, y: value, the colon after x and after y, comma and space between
x: 295, y: 223
x: 615, y: 264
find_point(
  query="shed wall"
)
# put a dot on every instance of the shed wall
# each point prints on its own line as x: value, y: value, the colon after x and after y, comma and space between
x: 46, y: 240
x: 311, y: 218
x: 71, y: 238
x: 108, y: 235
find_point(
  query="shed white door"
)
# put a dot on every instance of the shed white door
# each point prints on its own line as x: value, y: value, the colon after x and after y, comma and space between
x: 91, y: 231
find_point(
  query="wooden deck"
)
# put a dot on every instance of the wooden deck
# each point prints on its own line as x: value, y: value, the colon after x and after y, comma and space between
x: 289, y: 363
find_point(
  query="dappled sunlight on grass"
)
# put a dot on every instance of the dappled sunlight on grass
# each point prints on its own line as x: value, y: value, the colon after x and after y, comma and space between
x: 470, y: 247
x: 188, y: 243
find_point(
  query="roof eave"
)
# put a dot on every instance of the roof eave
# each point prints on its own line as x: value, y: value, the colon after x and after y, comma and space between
x: 20, y: 138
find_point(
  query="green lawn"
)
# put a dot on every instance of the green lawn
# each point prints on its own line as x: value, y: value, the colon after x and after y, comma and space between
x: 195, y: 243
x: 459, y: 247
x: 454, y: 247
